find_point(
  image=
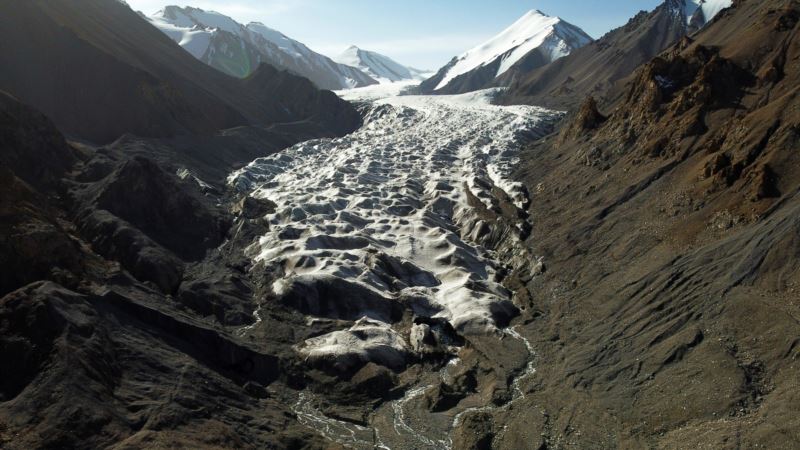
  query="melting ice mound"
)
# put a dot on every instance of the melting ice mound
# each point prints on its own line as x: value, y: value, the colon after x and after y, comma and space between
x: 378, y: 222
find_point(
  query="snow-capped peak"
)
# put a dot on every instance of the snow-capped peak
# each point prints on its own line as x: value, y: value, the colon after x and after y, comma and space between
x: 533, y: 30
x: 379, y: 67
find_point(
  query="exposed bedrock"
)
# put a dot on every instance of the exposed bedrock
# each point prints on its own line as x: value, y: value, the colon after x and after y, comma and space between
x: 151, y: 221
x: 34, y: 245
x: 108, y: 360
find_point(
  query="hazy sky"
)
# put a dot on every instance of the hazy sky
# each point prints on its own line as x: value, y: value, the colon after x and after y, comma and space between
x: 420, y: 33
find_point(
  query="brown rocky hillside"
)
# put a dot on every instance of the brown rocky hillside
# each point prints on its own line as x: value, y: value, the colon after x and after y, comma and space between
x: 669, y: 313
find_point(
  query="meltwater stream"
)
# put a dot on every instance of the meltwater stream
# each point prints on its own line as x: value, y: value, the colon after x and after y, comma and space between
x: 381, y: 214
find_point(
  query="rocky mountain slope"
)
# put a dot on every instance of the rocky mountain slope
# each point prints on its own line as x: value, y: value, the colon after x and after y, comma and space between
x: 238, y: 49
x: 667, y: 315
x: 379, y: 67
x: 533, y: 41
x: 596, y: 67
x: 121, y: 308
x: 97, y: 312
x: 151, y: 87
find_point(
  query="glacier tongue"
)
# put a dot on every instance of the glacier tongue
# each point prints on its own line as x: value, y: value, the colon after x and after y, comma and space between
x: 374, y: 220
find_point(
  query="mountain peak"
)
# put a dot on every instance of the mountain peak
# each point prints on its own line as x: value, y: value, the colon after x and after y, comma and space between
x: 538, y: 14
x: 535, y: 30
x: 191, y: 17
x: 378, y: 66
x: 182, y: 9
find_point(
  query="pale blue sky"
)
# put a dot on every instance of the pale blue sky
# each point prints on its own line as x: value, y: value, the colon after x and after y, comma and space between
x: 421, y: 33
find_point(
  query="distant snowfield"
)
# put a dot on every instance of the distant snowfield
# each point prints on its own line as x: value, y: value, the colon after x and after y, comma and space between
x: 380, y: 214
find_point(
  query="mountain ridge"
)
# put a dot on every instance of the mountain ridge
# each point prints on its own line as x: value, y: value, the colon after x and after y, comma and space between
x: 237, y: 49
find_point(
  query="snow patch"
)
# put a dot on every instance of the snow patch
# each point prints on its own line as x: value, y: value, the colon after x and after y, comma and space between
x: 283, y: 42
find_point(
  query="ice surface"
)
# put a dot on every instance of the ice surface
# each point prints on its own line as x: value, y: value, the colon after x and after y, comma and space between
x: 377, y: 91
x: 383, y: 209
